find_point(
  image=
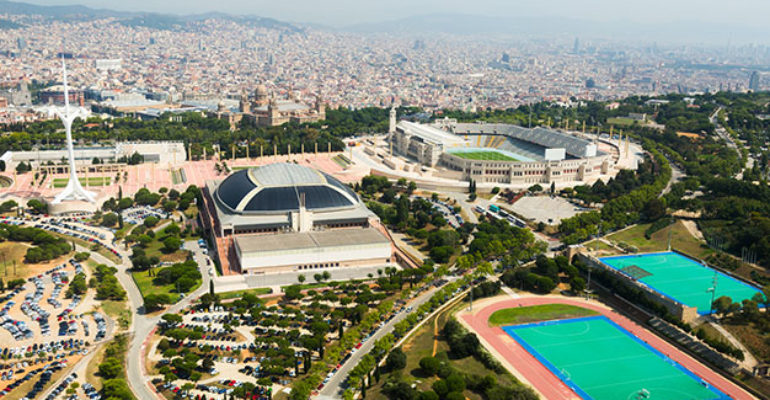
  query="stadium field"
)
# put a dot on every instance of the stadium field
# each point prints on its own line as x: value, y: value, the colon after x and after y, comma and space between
x: 681, y: 278
x: 485, y: 155
x: 599, y: 360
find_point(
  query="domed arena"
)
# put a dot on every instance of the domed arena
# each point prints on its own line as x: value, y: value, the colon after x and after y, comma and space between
x: 280, y: 188
x: 286, y: 217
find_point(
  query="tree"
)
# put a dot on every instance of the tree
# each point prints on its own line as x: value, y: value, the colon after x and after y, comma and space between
x: 396, y: 360
x: 553, y: 187
x: 37, y: 206
x: 116, y: 389
x: 109, y: 219
x: 154, y: 302
x: 22, y: 168
x: 172, y: 318
x: 455, y: 383
x: 535, y: 188
x: 171, y: 244
x: 429, y: 365
x: 654, y: 209
x: 110, y: 368
x: 293, y: 292
x: 151, y: 221
x: 412, y: 187
x: 577, y: 284
x: 722, y: 305
x: 301, y: 278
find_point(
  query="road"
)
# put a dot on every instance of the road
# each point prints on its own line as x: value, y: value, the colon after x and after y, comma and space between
x: 676, y: 175
x: 334, y: 388
x: 143, y: 324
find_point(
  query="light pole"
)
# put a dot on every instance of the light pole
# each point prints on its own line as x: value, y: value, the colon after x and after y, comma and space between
x: 588, y: 285
x: 713, y: 290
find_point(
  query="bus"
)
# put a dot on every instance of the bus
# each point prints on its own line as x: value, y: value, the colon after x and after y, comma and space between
x: 494, y: 208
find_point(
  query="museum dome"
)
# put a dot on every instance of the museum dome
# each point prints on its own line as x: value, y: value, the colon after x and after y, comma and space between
x: 278, y: 188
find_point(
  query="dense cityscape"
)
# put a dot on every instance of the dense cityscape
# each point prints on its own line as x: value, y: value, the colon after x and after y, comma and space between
x: 220, y: 58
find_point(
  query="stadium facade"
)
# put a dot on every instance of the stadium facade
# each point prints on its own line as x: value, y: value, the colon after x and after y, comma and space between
x: 285, y: 217
x: 500, y: 153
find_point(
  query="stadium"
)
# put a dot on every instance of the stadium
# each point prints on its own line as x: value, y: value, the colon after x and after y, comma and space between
x: 499, y: 153
x: 287, y: 217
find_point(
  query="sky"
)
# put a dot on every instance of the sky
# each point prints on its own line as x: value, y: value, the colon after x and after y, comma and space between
x: 339, y: 13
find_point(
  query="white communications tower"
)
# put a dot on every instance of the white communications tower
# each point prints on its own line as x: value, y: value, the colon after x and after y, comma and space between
x: 73, y: 191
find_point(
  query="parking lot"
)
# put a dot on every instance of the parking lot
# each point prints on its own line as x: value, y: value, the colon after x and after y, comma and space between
x: 42, y: 331
x: 136, y: 215
x: 546, y: 209
x: 250, y: 341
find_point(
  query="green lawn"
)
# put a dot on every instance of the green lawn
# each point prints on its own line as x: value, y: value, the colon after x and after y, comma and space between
x: 80, y: 242
x: 490, y: 155
x: 94, y: 181
x: 176, y: 176
x: 239, y: 293
x: 599, y: 245
x: 545, y: 312
x: 118, y: 311
x: 620, y: 121
x: 122, y: 232
x: 146, y: 286
x: 315, y: 285
x: 155, y: 247
x: 681, y: 240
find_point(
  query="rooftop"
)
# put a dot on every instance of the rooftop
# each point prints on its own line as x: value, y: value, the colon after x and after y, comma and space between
x: 309, y: 240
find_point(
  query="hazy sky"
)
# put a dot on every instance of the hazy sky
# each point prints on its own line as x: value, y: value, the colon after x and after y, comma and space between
x: 350, y: 12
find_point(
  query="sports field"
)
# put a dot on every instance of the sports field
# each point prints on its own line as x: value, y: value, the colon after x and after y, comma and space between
x: 600, y: 360
x: 485, y: 155
x: 680, y: 278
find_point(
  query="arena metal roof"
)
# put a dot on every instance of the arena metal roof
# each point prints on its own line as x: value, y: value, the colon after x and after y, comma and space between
x: 279, y: 187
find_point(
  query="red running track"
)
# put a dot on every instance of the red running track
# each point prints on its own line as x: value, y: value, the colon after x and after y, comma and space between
x: 548, y: 384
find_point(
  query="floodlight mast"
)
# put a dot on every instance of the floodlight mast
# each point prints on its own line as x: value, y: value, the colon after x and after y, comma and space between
x: 73, y: 190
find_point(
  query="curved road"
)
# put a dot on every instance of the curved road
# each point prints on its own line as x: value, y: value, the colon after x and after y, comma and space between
x: 143, y: 324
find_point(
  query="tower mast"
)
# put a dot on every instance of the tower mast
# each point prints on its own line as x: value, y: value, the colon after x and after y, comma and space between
x: 73, y: 190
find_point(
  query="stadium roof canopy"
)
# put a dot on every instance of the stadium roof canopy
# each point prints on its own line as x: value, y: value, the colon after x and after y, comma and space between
x: 431, y: 135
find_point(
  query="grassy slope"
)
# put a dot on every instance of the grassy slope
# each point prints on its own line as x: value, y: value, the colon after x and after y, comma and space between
x: 239, y: 293
x: 545, y: 312
x: 681, y: 240
x: 421, y: 345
